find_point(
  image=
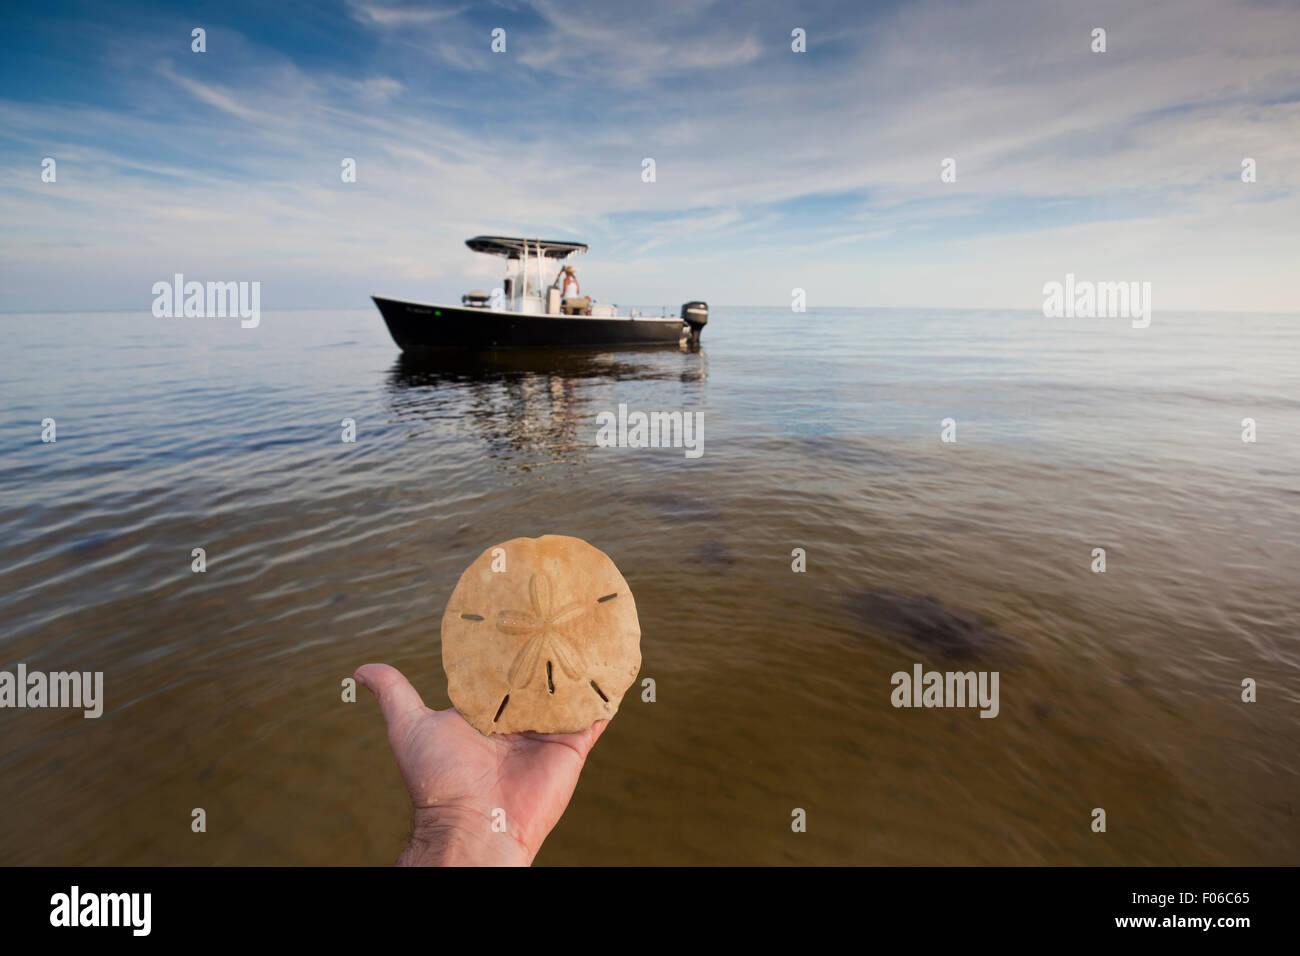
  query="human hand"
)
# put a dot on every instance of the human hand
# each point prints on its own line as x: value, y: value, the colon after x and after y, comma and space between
x: 458, y: 779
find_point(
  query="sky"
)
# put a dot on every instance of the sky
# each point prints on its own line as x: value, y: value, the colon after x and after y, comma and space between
x: 774, y: 170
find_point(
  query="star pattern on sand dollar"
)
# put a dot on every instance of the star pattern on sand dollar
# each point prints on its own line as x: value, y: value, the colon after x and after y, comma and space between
x: 540, y: 625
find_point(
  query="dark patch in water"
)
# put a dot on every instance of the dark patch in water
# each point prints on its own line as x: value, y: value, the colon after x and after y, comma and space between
x: 714, y: 554
x: 928, y: 623
x: 676, y: 505
x: 848, y: 450
x: 89, y: 542
x: 464, y: 538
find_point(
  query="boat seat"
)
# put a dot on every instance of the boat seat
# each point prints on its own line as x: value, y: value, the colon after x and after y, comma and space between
x: 577, y: 305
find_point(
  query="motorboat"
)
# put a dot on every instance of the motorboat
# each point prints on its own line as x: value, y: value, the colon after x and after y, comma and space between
x: 534, y: 308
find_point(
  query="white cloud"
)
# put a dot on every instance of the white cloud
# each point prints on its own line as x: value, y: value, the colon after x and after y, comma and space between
x: 399, y: 16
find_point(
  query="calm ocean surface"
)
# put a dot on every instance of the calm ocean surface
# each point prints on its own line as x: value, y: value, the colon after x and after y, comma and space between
x: 822, y: 431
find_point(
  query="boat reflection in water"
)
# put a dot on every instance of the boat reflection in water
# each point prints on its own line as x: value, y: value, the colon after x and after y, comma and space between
x: 537, y: 407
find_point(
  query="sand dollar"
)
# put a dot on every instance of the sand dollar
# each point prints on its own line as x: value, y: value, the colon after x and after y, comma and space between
x: 540, y: 634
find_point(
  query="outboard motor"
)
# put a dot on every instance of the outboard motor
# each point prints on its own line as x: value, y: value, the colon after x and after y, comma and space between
x: 696, y: 316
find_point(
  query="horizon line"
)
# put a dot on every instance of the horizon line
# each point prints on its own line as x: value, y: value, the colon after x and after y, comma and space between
x: 899, y: 308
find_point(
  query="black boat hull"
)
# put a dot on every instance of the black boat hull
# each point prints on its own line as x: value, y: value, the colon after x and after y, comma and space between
x: 417, y: 328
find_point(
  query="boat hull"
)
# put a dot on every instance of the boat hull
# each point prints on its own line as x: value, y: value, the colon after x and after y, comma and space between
x: 417, y: 327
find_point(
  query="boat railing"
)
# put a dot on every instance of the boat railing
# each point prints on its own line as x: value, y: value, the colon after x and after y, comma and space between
x: 649, y: 311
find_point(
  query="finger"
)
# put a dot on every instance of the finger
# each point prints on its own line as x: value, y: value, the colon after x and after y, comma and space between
x: 399, y: 702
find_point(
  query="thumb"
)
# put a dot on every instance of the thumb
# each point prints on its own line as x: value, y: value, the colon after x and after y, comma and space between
x: 399, y: 702
x: 580, y: 742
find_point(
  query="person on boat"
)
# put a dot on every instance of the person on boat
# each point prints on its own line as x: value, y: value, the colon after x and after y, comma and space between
x: 567, y: 282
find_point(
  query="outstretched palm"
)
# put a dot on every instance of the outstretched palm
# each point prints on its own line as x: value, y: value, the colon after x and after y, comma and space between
x: 461, y: 782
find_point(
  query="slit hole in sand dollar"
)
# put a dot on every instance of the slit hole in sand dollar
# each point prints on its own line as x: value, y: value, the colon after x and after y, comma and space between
x: 607, y: 597
x: 502, y: 709
x: 471, y: 617
x: 550, y: 684
x: 596, y: 688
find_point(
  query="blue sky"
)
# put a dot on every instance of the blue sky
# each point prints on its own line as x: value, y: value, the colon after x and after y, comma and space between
x: 774, y: 170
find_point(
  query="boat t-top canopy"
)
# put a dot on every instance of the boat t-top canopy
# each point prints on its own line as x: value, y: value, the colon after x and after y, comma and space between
x: 518, y: 248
